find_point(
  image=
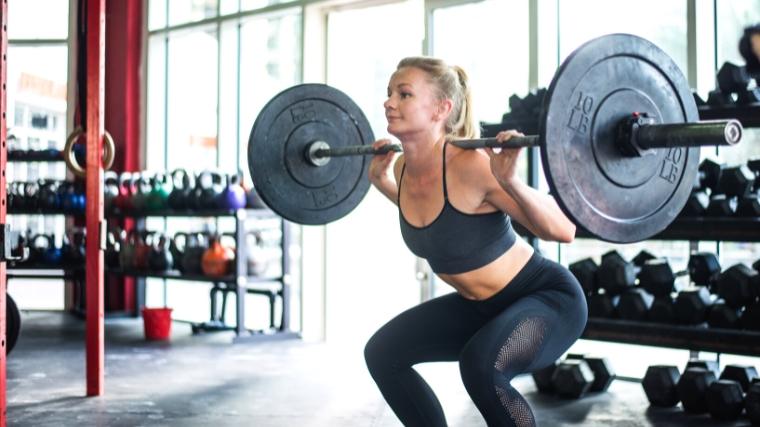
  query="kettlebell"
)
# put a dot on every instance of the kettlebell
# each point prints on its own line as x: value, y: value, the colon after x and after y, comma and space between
x: 17, y: 251
x: 140, y: 195
x: 51, y: 255
x: 195, y: 247
x: 193, y: 198
x: 80, y: 190
x: 37, y: 246
x: 142, y: 249
x: 254, y: 201
x: 157, y: 198
x: 110, y: 190
x: 124, y: 200
x: 257, y: 261
x: 115, y: 239
x: 233, y: 196
x: 31, y: 195
x: 217, y: 259
x: 160, y: 258
x: 210, y: 193
x: 19, y: 195
x: 73, y: 249
x: 69, y: 199
x: 183, y: 185
x: 48, y: 199
x: 127, y: 252
x: 177, y: 249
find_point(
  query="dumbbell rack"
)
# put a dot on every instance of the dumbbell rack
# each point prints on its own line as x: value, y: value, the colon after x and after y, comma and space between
x: 238, y: 282
x: 692, y: 338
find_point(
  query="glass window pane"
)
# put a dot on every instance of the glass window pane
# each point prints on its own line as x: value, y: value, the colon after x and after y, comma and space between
x: 192, y: 101
x: 228, y: 6
x: 156, y: 14
x: 258, y: 4
x: 583, y: 20
x: 270, y: 62
x: 183, y: 11
x: 732, y: 17
x: 479, y: 27
x: 360, y: 62
x: 26, y: 21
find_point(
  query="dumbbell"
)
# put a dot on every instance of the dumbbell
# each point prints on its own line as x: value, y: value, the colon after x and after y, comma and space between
x: 708, y: 175
x: 657, y: 277
x: 696, y: 205
x: 751, y: 317
x: 575, y: 376
x: 615, y: 275
x: 585, y: 272
x: 723, y: 316
x: 725, y: 397
x: 754, y: 166
x: 732, y: 78
x: 665, y: 386
x: 752, y: 403
x: 692, y: 305
x: 739, y: 285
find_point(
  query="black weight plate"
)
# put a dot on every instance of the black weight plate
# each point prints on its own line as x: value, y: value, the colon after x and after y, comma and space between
x: 12, y: 324
x: 616, y: 198
x: 287, y: 182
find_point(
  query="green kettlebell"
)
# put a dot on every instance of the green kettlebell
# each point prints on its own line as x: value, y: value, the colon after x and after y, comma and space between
x: 142, y: 187
x: 158, y: 197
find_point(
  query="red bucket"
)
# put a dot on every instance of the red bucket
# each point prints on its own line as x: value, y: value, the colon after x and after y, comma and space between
x: 158, y: 323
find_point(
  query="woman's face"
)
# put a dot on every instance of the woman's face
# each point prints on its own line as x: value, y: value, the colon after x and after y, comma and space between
x: 412, y: 106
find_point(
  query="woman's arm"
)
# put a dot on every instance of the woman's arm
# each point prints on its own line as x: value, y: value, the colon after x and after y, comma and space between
x: 536, y: 211
x: 382, y: 175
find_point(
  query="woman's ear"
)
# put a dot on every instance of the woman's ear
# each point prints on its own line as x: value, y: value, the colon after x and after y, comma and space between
x: 444, y: 109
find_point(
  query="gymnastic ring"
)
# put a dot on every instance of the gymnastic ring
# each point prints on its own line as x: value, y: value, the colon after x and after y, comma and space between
x: 71, y: 162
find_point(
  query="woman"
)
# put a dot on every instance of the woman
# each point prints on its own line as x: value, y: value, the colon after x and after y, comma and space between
x: 514, y: 311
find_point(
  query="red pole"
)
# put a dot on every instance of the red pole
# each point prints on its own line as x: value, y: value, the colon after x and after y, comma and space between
x: 96, y: 37
x: 3, y: 206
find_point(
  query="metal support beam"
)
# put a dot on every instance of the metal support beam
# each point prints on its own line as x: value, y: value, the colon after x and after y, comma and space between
x: 96, y: 38
x: 3, y: 205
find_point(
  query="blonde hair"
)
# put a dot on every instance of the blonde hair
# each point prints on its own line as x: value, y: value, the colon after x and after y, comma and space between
x: 450, y: 82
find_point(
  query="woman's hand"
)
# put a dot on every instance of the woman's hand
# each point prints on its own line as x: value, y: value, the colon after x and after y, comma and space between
x: 504, y: 163
x: 379, y: 168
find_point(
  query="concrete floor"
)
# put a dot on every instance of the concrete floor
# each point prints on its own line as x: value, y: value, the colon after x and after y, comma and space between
x: 205, y: 380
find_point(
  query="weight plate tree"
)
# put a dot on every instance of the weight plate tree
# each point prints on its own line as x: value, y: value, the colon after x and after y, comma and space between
x: 618, y: 134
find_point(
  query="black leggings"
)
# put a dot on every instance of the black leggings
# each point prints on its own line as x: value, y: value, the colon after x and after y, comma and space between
x: 523, y: 328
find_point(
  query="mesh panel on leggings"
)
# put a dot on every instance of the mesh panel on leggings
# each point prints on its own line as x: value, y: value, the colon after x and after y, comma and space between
x: 522, y: 346
x: 518, y: 408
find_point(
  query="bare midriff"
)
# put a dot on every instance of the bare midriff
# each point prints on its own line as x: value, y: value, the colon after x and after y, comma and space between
x: 488, y: 280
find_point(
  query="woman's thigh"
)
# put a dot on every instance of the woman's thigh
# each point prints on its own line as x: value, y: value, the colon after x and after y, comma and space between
x: 434, y: 331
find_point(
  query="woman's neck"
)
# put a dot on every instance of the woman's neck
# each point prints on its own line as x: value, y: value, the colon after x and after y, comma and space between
x: 423, y: 156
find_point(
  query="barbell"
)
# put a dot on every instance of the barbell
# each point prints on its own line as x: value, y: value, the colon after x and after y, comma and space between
x: 618, y: 132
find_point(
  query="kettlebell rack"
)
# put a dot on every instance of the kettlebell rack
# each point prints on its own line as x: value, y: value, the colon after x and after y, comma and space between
x: 238, y: 281
x: 39, y: 270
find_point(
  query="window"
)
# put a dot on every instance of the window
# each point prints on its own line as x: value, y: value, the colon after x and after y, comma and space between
x: 360, y: 61
x: 37, y: 83
x: 210, y: 70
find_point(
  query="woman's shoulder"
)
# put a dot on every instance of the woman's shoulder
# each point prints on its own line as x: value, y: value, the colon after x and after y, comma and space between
x: 470, y: 161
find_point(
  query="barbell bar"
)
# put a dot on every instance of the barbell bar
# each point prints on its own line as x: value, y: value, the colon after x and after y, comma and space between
x: 648, y: 137
x: 619, y: 134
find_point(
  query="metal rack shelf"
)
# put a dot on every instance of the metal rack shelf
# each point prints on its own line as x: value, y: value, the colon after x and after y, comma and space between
x: 747, y: 114
x: 244, y: 213
x: 728, y: 341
